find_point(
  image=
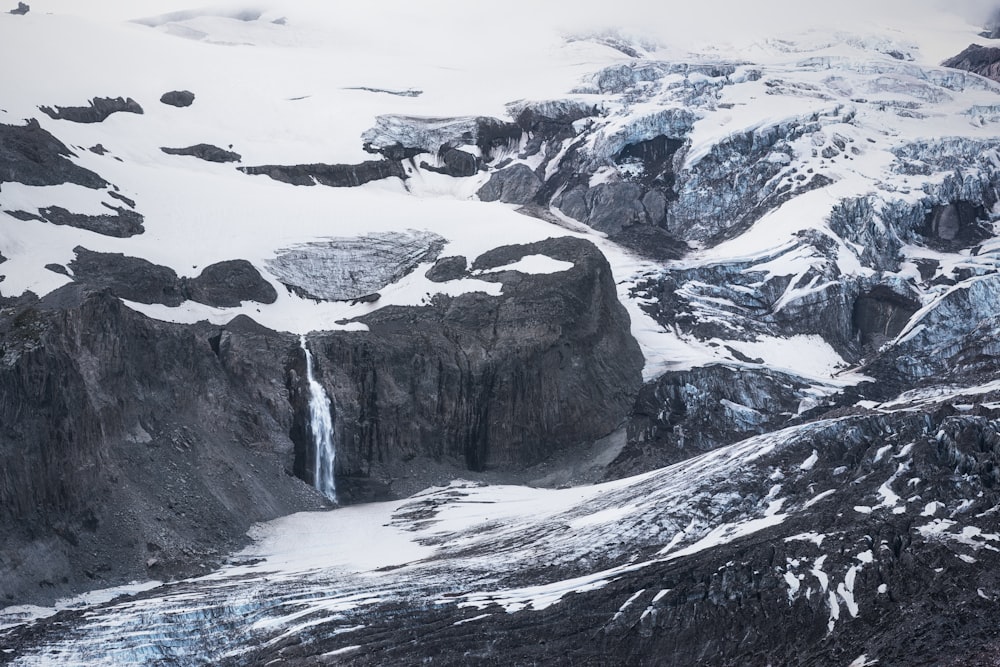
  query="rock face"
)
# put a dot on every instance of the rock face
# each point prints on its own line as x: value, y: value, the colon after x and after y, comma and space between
x: 32, y: 156
x: 333, y: 175
x: 206, y: 152
x: 97, y: 112
x: 225, y: 284
x: 108, y: 419
x: 982, y: 60
x: 132, y: 447
x: 448, y: 268
x: 178, y: 98
x: 483, y: 381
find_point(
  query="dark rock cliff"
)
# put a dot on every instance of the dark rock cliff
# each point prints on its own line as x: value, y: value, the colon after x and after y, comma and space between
x: 479, y: 381
x: 131, y: 447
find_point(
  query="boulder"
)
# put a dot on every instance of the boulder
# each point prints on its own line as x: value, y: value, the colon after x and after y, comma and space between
x: 516, y: 184
x: 178, y: 98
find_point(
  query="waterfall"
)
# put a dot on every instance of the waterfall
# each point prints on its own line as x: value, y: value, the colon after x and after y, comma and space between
x: 321, y: 425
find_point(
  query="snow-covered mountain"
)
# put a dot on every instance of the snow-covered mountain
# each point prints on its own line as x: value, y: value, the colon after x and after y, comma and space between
x: 645, y: 336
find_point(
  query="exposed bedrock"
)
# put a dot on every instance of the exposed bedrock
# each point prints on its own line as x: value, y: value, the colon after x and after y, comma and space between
x: 982, y: 60
x: 133, y: 448
x: 333, y: 175
x: 98, y: 110
x: 32, y: 156
x: 122, y: 223
x: 479, y: 381
x: 224, y: 284
x: 206, y: 152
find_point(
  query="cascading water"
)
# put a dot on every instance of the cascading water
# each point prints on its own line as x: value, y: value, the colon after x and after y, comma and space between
x: 321, y: 425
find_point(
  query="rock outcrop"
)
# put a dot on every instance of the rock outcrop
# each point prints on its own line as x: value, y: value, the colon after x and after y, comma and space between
x: 479, y: 381
x: 206, y: 152
x: 123, y: 223
x: 224, y: 284
x: 32, y: 156
x: 981, y: 60
x: 333, y: 175
x: 96, y: 112
x: 178, y: 98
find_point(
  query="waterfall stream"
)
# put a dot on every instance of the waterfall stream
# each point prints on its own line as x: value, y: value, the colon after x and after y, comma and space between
x: 321, y: 426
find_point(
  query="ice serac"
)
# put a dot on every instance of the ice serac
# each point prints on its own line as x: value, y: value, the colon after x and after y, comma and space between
x: 341, y: 269
x: 321, y: 425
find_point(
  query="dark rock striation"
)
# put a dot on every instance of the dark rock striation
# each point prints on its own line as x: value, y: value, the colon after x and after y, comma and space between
x: 97, y: 112
x: 122, y: 224
x: 333, y: 175
x: 206, y: 152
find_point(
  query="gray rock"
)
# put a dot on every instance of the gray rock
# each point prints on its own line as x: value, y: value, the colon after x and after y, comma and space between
x: 32, y: 156
x: 122, y: 224
x: 206, y: 152
x: 126, y: 277
x: 516, y: 184
x: 448, y: 268
x: 178, y: 98
x: 981, y: 60
x: 22, y: 9
x: 227, y: 284
x: 455, y: 163
x: 484, y: 382
x: 110, y: 420
x: 98, y: 110
x: 333, y: 175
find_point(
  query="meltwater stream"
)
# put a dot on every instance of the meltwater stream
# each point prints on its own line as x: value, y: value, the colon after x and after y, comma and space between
x: 321, y: 425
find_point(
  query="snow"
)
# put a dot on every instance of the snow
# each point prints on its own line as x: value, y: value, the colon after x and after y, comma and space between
x: 813, y: 537
x: 810, y: 462
x: 534, y: 264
